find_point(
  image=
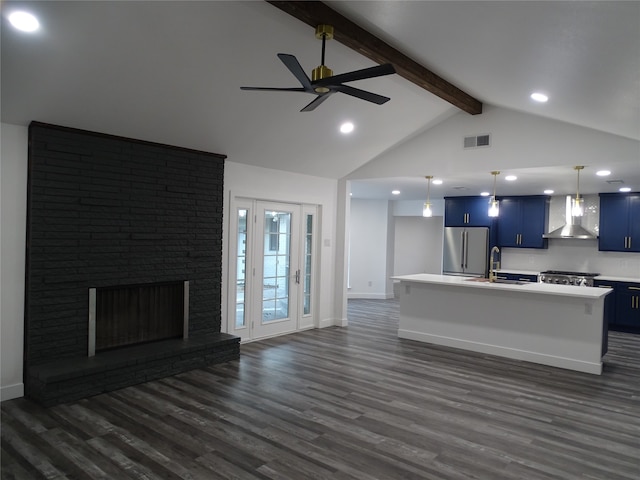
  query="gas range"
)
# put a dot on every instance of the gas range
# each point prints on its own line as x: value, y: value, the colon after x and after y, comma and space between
x: 561, y: 277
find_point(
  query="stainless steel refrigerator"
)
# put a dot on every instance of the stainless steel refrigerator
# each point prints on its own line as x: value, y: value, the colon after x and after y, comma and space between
x: 466, y: 251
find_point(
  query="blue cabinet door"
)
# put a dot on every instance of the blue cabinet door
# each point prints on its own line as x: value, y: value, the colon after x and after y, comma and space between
x: 455, y: 212
x: 619, y: 222
x: 534, y: 217
x: 509, y: 222
x: 628, y: 305
x: 522, y: 221
x: 634, y: 223
x: 609, y: 300
x: 466, y: 212
x: 478, y: 209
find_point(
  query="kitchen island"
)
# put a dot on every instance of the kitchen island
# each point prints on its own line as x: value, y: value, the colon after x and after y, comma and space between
x: 557, y: 325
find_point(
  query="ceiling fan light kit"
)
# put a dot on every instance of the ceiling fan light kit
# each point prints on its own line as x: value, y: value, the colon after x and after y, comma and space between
x: 323, y: 83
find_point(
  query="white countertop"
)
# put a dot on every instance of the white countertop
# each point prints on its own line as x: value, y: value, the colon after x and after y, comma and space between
x: 611, y: 278
x: 529, y: 287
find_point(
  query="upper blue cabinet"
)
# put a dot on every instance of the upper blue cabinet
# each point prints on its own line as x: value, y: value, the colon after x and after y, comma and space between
x: 619, y: 222
x: 522, y: 221
x: 467, y: 212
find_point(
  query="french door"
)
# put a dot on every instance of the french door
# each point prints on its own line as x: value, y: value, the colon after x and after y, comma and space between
x: 271, y: 292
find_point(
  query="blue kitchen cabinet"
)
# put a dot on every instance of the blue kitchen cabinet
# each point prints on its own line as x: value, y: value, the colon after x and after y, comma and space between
x: 622, y: 306
x: 467, y: 212
x: 628, y: 306
x: 619, y: 222
x: 522, y: 221
x: 519, y: 277
x: 609, y: 300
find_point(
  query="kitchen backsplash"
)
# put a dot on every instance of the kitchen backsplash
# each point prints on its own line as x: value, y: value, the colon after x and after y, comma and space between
x: 574, y: 255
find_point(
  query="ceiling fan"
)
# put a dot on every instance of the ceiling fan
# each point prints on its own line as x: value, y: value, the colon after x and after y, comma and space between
x: 323, y: 83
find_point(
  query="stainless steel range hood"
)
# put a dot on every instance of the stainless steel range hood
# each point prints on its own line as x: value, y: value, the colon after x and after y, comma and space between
x: 573, y: 228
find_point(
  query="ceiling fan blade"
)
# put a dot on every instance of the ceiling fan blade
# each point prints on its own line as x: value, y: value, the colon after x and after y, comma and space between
x: 378, y: 71
x: 317, y: 101
x: 294, y: 67
x: 363, y: 94
x: 275, y: 89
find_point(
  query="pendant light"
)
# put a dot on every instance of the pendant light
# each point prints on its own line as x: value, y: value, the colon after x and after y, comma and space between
x: 426, y: 211
x: 494, y: 204
x: 577, y: 204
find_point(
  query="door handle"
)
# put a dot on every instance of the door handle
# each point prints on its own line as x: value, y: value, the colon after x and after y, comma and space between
x: 298, y: 276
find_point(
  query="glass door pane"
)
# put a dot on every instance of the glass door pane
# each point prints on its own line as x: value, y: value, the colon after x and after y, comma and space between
x: 308, y: 245
x: 241, y: 266
x: 276, y: 262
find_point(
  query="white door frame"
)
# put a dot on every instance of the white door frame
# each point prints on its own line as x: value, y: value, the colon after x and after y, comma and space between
x: 244, y: 295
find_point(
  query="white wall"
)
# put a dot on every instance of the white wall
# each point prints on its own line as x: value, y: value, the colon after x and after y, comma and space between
x: 418, y: 245
x: 519, y: 140
x: 13, y: 214
x: 413, y: 208
x: 369, y: 249
x: 246, y: 181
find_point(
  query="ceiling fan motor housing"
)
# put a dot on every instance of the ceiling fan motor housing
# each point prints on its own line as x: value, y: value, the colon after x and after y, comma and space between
x: 319, y: 73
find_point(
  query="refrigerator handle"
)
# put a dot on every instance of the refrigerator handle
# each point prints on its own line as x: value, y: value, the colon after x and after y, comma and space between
x: 462, y: 249
x: 466, y: 249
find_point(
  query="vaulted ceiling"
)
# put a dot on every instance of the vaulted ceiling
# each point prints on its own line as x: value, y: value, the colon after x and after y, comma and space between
x: 171, y: 72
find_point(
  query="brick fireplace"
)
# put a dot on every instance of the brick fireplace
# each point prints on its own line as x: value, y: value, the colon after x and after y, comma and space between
x: 109, y: 213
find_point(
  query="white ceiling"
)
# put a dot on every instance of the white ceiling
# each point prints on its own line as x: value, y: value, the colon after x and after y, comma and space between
x: 170, y: 72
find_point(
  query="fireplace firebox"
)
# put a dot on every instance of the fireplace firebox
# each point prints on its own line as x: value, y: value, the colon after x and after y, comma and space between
x: 127, y: 315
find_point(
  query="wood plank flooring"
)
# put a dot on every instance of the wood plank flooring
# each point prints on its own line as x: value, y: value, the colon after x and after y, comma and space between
x: 345, y: 403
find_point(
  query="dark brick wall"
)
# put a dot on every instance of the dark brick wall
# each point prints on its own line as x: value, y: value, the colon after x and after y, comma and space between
x: 106, y: 210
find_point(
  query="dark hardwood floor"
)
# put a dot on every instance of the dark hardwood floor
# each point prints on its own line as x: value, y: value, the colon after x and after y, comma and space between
x: 345, y: 403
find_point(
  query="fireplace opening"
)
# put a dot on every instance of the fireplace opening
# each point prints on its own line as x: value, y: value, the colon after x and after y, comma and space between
x: 127, y: 315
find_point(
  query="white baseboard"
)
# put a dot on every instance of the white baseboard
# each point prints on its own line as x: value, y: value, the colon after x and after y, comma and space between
x: 370, y: 296
x: 534, y: 357
x: 10, y: 392
x: 333, y: 322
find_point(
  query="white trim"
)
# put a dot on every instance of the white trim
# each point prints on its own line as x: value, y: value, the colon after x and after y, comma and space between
x: 544, y: 359
x: 12, y: 391
x: 371, y: 296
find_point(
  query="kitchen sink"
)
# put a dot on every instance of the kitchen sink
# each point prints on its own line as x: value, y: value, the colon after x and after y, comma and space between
x: 499, y: 280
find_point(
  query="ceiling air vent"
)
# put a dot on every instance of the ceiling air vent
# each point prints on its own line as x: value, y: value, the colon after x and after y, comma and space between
x: 615, y: 182
x: 477, y: 141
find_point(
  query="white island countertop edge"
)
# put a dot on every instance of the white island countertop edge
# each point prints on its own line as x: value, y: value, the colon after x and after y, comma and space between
x: 527, y: 287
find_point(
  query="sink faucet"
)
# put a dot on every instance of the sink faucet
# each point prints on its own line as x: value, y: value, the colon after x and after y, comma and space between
x: 493, y: 265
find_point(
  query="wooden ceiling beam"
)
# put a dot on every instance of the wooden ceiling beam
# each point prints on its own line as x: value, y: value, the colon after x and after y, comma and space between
x: 315, y: 13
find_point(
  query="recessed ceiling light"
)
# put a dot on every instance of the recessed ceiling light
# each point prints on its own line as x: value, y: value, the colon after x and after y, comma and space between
x: 485, y: 194
x: 510, y: 178
x: 395, y: 192
x: 548, y: 192
x: 539, y: 97
x: 437, y: 181
x: 347, y: 127
x: 603, y: 173
x: 624, y: 189
x: 24, y: 21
